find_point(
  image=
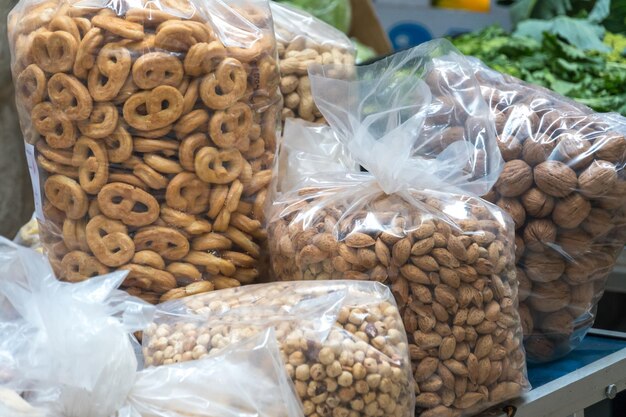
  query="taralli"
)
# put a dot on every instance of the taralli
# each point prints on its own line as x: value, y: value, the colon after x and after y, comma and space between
x: 109, y: 241
x: 342, y: 344
x: 78, y: 266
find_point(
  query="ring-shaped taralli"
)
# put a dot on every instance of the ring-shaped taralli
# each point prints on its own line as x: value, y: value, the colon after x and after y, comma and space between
x: 119, y: 145
x: 66, y: 24
x: 101, y: 123
x: 179, y: 36
x: 231, y: 128
x: 109, y: 241
x: 128, y: 179
x: 202, y: 58
x: 162, y: 164
x: 83, y: 25
x: 79, y: 266
x: 186, y: 192
x: 148, y: 278
x: 87, y: 52
x: 218, y: 167
x: 191, y: 122
x: 54, y: 52
x: 185, y: 273
x: 56, y: 155
x: 169, y: 243
x: 162, y: 146
x: 149, y: 258
x: 90, y: 156
x: 157, y: 68
x: 131, y: 205
x: 217, y: 200
x: 52, y: 167
x: 225, y: 86
x: 109, y: 75
x: 191, y: 95
x: 66, y: 195
x: 30, y: 86
x: 162, y: 107
x: 188, y: 148
x: 153, y: 134
x: 70, y: 96
x: 150, y: 176
x: 53, y: 125
x: 120, y: 27
x: 74, y: 235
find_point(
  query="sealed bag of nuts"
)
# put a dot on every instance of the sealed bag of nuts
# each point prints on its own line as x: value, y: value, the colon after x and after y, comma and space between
x: 343, y: 343
x: 150, y: 130
x: 88, y: 366
x: 564, y: 184
x: 414, y: 221
x: 304, y: 40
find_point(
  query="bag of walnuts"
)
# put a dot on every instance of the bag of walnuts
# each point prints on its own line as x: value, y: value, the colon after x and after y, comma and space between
x: 150, y: 129
x: 342, y: 343
x: 413, y: 221
x: 564, y: 184
x: 304, y: 40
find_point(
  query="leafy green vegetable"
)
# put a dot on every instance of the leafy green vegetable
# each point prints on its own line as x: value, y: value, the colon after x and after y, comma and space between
x: 579, y: 32
x: 337, y: 13
x: 594, y: 78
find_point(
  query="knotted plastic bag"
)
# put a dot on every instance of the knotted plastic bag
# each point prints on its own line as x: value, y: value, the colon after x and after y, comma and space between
x: 69, y: 350
x: 413, y: 221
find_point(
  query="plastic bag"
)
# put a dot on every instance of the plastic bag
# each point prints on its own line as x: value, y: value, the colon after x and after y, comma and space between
x: 150, y: 128
x: 342, y: 343
x: 414, y: 222
x: 86, y: 365
x: 337, y: 13
x: 304, y: 40
x: 564, y: 184
x: 28, y: 235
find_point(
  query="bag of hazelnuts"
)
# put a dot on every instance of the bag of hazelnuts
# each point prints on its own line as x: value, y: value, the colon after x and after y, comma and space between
x: 342, y: 344
x: 150, y: 130
x: 413, y: 221
x: 564, y: 184
x: 302, y: 40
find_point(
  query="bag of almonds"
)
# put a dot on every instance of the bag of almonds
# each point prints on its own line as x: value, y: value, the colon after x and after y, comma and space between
x: 302, y: 40
x: 342, y: 343
x: 150, y: 130
x: 88, y: 366
x: 413, y: 221
x: 564, y: 184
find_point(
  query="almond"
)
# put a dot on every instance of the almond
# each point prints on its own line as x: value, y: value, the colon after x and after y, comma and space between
x: 427, y: 340
x: 462, y: 351
x: 475, y: 316
x: 445, y: 295
x: 483, y: 346
x: 504, y: 391
x: 468, y: 400
x: 433, y: 384
x: 382, y: 252
x: 426, y: 368
x: 421, y: 293
x: 447, y: 347
x: 414, y: 274
x: 423, y: 246
x: 447, y: 377
x: 311, y: 254
x: 457, y: 248
x: 460, y: 386
x: 456, y: 367
x: 440, y: 312
x: 460, y: 317
x: 445, y: 258
x: 359, y: 240
x: 349, y: 254
x: 426, y: 263
x: 450, y: 277
x: 440, y: 411
x: 484, y: 368
x: 472, y: 367
x: 326, y: 242
x: 424, y: 231
x: 427, y: 400
x: 367, y: 258
x: 401, y: 251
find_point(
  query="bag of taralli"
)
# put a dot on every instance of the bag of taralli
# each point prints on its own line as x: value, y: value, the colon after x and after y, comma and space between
x: 413, y: 221
x: 303, y: 40
x: 150, y: 130
x: 342, y: 343
x: 564, y: 184
x: 87, y: 366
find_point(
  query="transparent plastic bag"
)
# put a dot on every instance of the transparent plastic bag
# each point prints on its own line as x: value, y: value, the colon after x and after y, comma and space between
x: 151, y: 130
x: 304, y: 40
x: 413, y: 221
x: 343, y: 343
x: 68, y: 349
x: 337, y: 13
x: 28, y: 235
x: 564, y: 184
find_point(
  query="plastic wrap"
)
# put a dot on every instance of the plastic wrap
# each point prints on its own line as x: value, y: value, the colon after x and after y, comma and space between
x: 304, y: 40
x: 337, y: 13
x: 28, y: 235
x: 87, y: 366
x: 413, y: 221
x: 150, y: 129
x: 564, y: 184
x: 343, y: 343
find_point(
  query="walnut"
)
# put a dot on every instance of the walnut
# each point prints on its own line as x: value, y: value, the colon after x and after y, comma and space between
x: 515, y: 179
x: 557, y: 325
x: 525, y: 285
x: 543, y: 267
x: 537, y: 150
x: 538, y: 234
x: 571, y: 211
x: 611, y: 148
x: 550, y: 296
x: 539, y: 348
x: 448, y: 136
x: 491, y: 196
x: 522, y: 123
x: 551, y: 121
x: 598, y: 179
x: 555, y: 178
x: 501, y: 119
x: 581, y: 298
x: 574, y: 242
x: 615, y: 199
x: 526, y: 318
x: 573, y: 149
x: 520, y: 247
x: 598, y: 223
x: 537, y: 203
x: 515, y: 210
x: 580, y: 270
x: 510, y: 147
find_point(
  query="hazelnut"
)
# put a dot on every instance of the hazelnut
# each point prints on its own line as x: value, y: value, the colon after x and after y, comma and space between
x: 598, y: 223
x: 537, y: 203
x: 525, y: 285
x: 543, y: 267
x: 611, y: 148
x: 515, y: 210
x: 571, y: 211
x: 574, y: 242
x: 555, y: 178
x: 537, y: 150
x: 510, y: 147
x: 598, y: 179
x: 572, y: 149
x: 550, y: 296
x: 526, y: 318
x: 557, y: 325
x: 538, y: 234
x: 515, y: 179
